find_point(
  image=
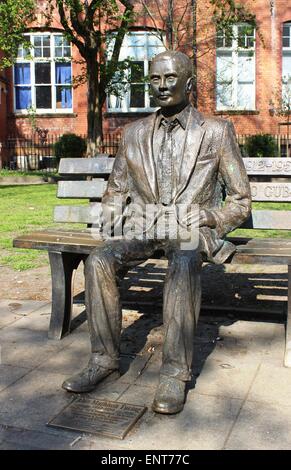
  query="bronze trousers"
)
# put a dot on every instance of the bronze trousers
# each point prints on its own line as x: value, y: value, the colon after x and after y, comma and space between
x: 181, y: 301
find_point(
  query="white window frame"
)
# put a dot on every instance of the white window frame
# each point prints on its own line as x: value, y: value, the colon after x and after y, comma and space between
x: 125, y: 102
x: 234, y: 51
x: 52, y: 60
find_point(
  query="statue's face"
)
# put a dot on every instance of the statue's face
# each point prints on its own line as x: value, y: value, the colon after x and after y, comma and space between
x: 168, y: 83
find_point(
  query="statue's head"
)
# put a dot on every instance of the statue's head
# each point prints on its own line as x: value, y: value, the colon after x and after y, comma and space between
x: 171, y: 80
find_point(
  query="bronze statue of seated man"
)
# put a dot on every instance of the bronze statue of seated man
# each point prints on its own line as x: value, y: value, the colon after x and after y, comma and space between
x: 174, y: 157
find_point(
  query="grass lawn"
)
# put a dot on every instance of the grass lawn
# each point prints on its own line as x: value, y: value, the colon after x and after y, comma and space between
x: 6, y: 173
x: 29, y: 208
x: 24, y: 209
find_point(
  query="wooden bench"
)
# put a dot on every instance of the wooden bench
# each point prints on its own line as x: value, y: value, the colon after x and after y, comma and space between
x: 67, y: 248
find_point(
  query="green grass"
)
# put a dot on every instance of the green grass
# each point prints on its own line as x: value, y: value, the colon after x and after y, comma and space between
x: 266, y: 233
x: 29, y: 208
x: 24, y: 209
x: 6, y: 173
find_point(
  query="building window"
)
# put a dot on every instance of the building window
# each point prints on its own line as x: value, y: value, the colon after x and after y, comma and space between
x: 43, y: 75
x: 286, y: 66
x: 235, y: 68
x: 139, y: 47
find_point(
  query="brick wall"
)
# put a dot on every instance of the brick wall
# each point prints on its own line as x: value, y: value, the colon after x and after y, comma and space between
x: 269, y: 15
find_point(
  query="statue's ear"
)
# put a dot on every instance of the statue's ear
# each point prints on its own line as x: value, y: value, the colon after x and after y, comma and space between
x: 189, y: 85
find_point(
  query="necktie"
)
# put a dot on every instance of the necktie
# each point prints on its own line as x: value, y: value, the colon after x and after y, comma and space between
x: 165, y: 163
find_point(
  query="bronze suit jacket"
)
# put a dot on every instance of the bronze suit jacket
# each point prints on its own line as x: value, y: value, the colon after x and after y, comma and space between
x: 210, y: 164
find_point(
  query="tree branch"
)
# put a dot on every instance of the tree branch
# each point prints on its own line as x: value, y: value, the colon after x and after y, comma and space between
x: 68, y: 29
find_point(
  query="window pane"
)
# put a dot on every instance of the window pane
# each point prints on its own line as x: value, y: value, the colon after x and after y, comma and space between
x: 37, y: 52
x: 22, y: 74
x: 219, y: 41
x: 154, y: 50
x: 286, y: 31
x: 46, y: 41
x: 224, y: 96
x: 246, y: 36
x: 135, y: 40
x: 67, y: 51
x: 43, y: 97
x: 228, y: 38
x: 136, y: 53
x: 250, y: 42
x: 137, y: 96
x: 23, y: 97
x: 137, y: 71
x: 46, y: 52
x: 154, y: 40
x: 23, y: 52
x: 58, y: 41
x: 245, y: 98
x: 58, y: 52
x: 63, y: 73
x: 286, y: 66
x: 64, y: 97
x: 43, y: 72
x: 245, y: 67
x: 224, y: 67
x: 286, y: 95
x: 37, y: 41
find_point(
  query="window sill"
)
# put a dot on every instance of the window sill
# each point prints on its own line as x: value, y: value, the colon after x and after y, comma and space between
x: 234, y: 112
x: 44, y: 115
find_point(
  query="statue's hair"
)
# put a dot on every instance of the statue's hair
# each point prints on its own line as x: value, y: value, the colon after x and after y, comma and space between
x: 182, y: 59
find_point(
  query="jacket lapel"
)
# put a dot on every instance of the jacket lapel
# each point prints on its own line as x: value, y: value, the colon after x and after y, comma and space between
x: 193, y: 141
x: 145, y: 145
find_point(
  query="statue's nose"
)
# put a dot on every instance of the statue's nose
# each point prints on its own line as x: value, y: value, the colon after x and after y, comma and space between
x: 162, y: 84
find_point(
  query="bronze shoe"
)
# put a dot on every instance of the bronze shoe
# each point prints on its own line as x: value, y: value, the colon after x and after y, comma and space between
x: 87, y: 380
x: 170, y: 395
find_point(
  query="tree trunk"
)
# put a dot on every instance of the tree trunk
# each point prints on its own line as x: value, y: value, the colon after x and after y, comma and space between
x: 94, y: 111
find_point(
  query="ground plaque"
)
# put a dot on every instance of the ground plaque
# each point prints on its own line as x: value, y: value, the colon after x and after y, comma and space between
x: 108, y: 418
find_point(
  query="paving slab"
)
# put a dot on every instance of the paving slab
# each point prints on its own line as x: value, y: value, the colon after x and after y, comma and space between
x: 10, y: 374
x: 72, y: 358
x: 14, y: 437
x: 27, y: 348
x: 272, y: 385
x: 14, y: 310
x: 33, y: 400
x: 261, y: 427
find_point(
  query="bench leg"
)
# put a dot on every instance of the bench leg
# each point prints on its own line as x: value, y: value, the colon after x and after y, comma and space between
x: 287, y: 358
x: 63, y: 266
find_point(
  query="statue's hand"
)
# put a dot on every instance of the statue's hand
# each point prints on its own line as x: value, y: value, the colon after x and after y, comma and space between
x: 206, y: 218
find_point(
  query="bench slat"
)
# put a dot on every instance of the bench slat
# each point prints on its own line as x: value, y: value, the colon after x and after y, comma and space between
x: 268, y: 219
x: 81, y: 189
x: 268, y: 166
x: 89, y: 214
x: 271, y: 192
x: 101, y: 165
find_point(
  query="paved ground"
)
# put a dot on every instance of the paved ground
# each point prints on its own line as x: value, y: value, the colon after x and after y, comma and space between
x: 240, y: 397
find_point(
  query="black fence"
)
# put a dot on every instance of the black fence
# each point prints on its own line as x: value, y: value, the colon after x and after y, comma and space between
x: 282, y: 142
x: 36, y: 152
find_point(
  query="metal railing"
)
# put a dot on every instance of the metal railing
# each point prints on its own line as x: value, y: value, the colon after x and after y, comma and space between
x: 36, y: 153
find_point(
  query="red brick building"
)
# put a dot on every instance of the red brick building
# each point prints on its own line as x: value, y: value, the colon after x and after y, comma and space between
x: 242, y: 78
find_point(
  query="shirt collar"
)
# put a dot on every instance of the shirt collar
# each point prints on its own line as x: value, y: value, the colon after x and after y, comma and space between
x: 181, y: 117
